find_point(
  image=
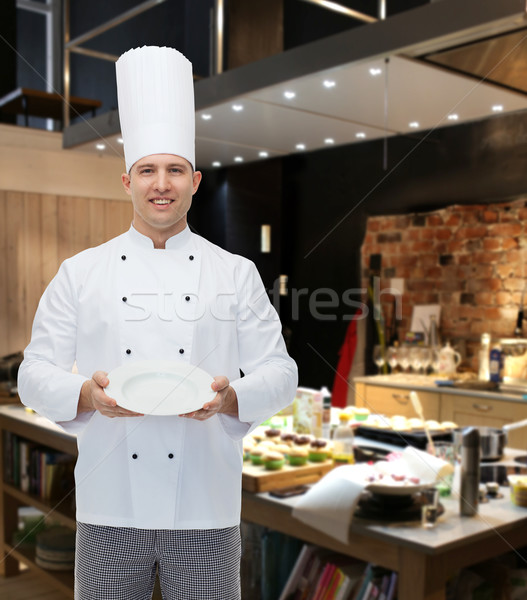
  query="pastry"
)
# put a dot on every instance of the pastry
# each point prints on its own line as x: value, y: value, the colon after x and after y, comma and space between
x: 288, y: 438
x: 317, y: 451
x: 361, y: 413
x: 298, y: 456
x: 282, y: 448
x: 273, y: 461
x: 272, y: 434
x: 303, y: 440
x: 256, y: 455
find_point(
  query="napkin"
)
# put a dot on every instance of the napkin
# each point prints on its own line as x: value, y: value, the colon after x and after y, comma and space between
x: 330, y: 503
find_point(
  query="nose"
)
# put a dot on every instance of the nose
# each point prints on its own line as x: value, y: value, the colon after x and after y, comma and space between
x: 162, y: 182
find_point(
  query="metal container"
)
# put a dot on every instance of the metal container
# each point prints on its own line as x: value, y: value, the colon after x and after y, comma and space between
x: 470, y: 471
x: 492, y: 439
x: 514, y: 360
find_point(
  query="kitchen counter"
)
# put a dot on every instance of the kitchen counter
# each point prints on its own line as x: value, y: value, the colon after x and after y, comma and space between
x: 389, y: 395
x: 424, y: 558
x: 427, y: 383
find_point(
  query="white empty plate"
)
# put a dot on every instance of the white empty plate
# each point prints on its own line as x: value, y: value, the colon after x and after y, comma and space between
x: 154, y: 387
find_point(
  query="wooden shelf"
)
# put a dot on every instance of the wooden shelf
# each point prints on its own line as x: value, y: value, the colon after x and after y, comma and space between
x: 16, y: 420
x: 36, y: 103
x: 64, y: 517
x: 63, y: 580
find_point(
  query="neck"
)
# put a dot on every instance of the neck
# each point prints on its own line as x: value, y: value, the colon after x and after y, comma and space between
x: 159, y: 237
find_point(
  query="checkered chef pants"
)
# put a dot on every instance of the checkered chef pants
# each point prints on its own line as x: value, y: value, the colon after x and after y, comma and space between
x: 119, y: 563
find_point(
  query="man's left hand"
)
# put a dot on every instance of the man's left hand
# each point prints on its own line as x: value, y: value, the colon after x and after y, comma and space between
x: 225, y: 401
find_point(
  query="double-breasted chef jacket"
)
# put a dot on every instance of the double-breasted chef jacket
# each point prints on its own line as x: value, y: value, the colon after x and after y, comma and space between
x: 125, y: 301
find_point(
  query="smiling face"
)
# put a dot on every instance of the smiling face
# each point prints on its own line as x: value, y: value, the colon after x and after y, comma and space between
x: 161, y: 187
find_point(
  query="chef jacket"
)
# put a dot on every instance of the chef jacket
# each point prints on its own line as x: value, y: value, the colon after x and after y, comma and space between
x: 125, y: 301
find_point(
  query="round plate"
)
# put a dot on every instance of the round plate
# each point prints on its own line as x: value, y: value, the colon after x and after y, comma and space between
x: 154, y: 387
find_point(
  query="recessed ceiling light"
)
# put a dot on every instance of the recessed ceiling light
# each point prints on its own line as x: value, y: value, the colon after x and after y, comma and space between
x: 238, y: 159
x: 237, y: 107
x: 453, y: 117
x: 206, y: 116
x: 300, y: 146
x: 289, y: 95
x: 361, y: 135
x: 413, y: 124
x: 497, y: 107
x: 100, y: 146
x: 263, y: 154
x: 216, y: 163
x: 329, y: 141
x: 374, y: 71
x: 120, y: 140
x: 329, y: 83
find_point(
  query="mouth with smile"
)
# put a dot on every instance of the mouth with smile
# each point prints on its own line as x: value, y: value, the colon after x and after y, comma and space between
x: 161, y: 201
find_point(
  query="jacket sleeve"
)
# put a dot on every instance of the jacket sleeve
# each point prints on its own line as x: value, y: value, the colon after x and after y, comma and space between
x: 46, y: 382
x: 270, y: 374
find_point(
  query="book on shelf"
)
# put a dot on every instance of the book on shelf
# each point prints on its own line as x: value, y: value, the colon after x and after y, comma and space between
x: 37, y: 470
x: 321, y: 574
x: 375, y: 584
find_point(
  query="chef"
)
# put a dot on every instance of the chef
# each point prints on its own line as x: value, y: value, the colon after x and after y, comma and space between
x: 157, y: 493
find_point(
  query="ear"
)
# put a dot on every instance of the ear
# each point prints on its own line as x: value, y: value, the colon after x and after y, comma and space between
x: 125, y: 178
x: 196, y: 179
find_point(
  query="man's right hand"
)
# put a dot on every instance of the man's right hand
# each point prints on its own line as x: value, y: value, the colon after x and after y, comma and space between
x: 93, y: 397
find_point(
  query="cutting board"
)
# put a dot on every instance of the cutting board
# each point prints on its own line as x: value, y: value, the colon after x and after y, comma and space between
x: 256, y: 478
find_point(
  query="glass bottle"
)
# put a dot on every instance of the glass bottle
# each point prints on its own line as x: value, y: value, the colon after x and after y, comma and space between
x: 484, y: 357
x: 343, y: 441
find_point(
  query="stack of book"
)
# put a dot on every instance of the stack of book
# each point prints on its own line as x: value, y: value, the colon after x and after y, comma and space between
x: 37, y: 470
x: 323, y: 575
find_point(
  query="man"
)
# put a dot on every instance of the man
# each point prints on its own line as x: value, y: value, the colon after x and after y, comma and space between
x: 157, y: 491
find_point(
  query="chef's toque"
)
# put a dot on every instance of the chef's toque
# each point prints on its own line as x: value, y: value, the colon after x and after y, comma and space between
x: 155, y: 93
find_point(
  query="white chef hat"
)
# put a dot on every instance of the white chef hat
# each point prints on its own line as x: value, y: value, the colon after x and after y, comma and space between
x: 155, y: 92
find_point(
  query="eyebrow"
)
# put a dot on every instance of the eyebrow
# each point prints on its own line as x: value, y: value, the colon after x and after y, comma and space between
x: 175, y: 164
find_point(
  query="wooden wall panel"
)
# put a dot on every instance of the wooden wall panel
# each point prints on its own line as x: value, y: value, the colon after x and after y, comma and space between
x: 38, y: 232
x: 16, y: 289
x: 31, y: 238
x: 3, y: 274
x: 50, y: 250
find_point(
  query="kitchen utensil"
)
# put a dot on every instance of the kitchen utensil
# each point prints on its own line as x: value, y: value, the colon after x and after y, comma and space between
x: 470, y: 472
x: 416, y: 403
x: 492, y: 439
x: 448, y: 359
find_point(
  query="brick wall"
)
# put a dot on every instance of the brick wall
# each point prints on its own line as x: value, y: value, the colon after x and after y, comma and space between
x: 472, y: 260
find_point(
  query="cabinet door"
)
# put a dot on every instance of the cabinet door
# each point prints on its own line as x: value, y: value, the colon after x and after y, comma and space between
x: 476, y: 410
x: 395, y: 401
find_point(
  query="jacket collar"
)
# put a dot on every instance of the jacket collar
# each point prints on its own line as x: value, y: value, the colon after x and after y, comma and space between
x: 175, y: 242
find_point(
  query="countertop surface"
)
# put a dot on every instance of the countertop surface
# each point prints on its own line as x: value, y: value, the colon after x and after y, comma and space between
x: 494, y: 519
x: 428, y: 383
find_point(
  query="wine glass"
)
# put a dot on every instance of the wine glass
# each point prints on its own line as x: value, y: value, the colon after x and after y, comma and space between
x: 403, y: 357
x: 391, y: 358
x: 415, y: 359
x: 379, y: 357
x: 426, y: 358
